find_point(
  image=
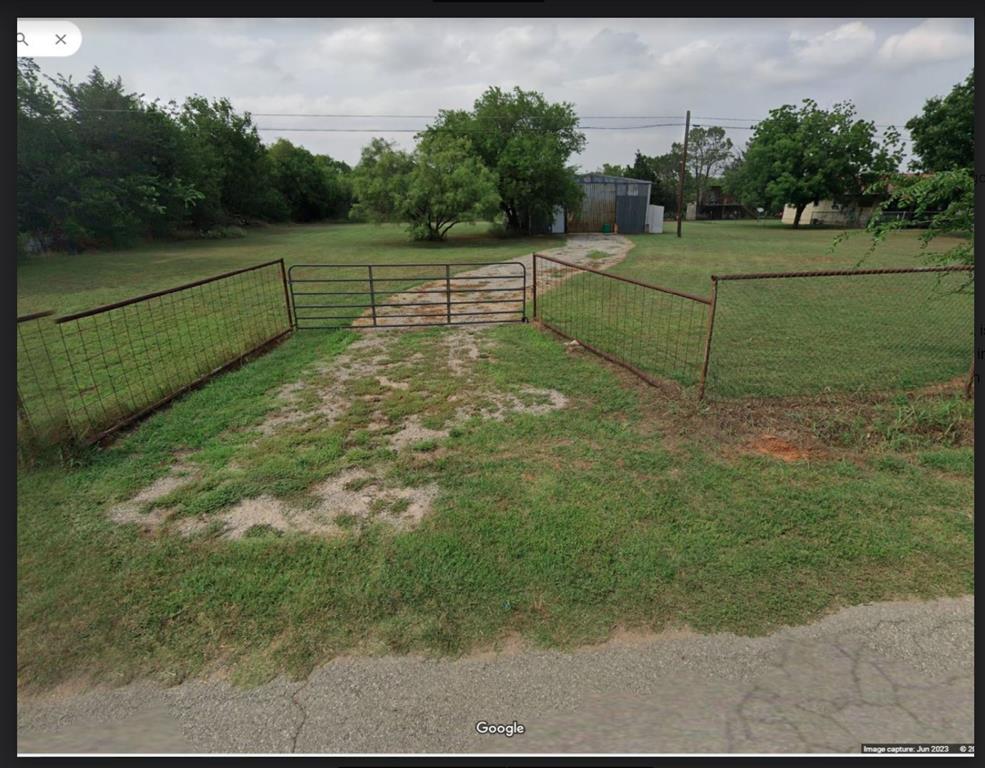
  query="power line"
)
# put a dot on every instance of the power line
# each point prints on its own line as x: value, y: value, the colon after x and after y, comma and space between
x: 353, y: 115
x: 421, y: 117
x: 420, y: 130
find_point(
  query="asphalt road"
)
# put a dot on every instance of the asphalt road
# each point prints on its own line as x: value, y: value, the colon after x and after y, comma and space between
x: 887, y: 672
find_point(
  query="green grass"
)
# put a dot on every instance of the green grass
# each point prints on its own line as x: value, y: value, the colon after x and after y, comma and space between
x: 775, y: 337
x: 621, y: 509
x: 557, y: 527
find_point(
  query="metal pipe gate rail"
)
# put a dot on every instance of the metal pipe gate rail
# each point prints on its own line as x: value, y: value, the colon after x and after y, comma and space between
x: 367, y: 296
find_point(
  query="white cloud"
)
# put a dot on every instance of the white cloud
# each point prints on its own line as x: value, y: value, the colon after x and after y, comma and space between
x: 697, y: 53
x: 931, y: 41
x: 837, y: 47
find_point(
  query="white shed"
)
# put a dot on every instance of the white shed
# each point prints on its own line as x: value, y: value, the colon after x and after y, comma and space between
x: 655, y: 219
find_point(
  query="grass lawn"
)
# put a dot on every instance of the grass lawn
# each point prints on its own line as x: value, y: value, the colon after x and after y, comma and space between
x: 588, y: 502
x: 776, y: 337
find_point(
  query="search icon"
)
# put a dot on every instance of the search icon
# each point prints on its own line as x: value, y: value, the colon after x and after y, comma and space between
x: 48, y: 37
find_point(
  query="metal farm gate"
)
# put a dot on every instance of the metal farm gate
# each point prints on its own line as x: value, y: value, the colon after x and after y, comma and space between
x: 367, y: 296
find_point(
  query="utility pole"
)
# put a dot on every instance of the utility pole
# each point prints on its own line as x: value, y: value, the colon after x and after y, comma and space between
x: 680, y: 183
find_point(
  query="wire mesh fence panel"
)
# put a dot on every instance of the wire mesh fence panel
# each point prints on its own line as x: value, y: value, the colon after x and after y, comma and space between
x: 655, y: 332
x: 814, y: 333
x: 41, y: 415
x: 107, y: 365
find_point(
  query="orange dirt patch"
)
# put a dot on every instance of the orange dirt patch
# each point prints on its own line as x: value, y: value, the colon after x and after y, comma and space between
x: 777, y: 448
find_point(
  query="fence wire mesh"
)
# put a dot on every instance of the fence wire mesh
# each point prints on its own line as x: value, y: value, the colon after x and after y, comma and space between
x: 840, y: 332
x: 41, y: 416
x: 86, y: 374
x: 655, y: 332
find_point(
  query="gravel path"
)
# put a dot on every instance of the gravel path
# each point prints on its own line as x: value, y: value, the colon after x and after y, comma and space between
x: 878, y: 673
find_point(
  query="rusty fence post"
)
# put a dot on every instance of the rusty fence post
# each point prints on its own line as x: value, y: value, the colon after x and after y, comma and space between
x: 291, y: 321
x: 711, y: 328
x: 969, y: 387
x: 372, y: 292
x: 448, y: 290
x: 535, y: 287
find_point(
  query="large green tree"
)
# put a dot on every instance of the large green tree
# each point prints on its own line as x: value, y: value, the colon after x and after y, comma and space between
x: 440, y: 184
x: 941, y: 199
x: 527, y: 142
x: 233, y: 167
x: 943, y: 134
x: 314, y: 187
x: 98, y: 164
x: 801, y: 155
x: 380, y: 181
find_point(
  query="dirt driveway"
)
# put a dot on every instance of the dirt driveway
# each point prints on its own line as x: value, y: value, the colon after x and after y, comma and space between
x: 363, y: 387
x: 471, y: 289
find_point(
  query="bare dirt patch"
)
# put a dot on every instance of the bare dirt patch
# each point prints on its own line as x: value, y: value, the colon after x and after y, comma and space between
x: 344, y: 502
x: 414, y: 432
x: 139, y: 510
x: 777, y: 448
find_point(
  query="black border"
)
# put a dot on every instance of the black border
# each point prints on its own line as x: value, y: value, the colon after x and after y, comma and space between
x: 426, y: 9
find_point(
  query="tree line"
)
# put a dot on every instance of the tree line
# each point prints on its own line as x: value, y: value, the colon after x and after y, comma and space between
x: 97, y: 166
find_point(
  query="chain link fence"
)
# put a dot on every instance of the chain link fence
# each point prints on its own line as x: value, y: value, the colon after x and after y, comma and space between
x: 808, y: 333
x: 85, y: 375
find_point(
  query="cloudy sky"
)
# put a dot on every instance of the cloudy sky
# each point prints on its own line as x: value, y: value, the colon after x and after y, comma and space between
x: 735, y: 69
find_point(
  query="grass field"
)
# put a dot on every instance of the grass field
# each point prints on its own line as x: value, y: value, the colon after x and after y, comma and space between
x: 776, y: 337
x: 620, y: 507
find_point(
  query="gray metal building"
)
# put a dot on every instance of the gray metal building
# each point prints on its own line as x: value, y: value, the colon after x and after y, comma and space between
x: 612, y: 203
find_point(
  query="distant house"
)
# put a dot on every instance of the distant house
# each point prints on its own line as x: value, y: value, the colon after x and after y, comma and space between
x: 855, y: 212
x: 716, y: 205
x: 828, y: 212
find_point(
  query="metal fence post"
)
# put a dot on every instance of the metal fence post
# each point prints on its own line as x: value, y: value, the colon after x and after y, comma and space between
x: 372, y: 292
x: 534, y: 286
x: 448, y: 290
x: 523, y: 301
x: 291, y: 320
x: 711, y: 328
